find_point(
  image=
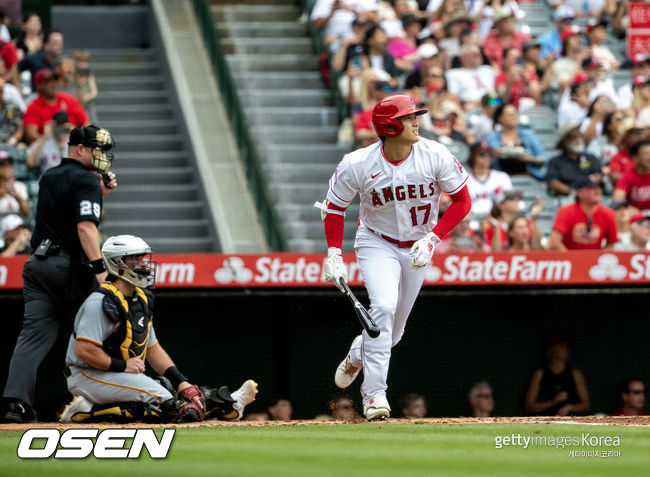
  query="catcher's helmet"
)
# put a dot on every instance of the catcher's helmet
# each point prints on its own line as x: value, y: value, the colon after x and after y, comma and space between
x: 386, y: 114
x: 116, y: 248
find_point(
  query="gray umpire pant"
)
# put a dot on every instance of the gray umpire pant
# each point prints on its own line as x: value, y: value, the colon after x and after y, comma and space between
x: 46, y: 309
x: 105, y: 387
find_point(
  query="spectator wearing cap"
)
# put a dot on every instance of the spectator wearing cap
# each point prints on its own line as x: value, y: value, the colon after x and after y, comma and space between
x: 9, y: 57
x: 586, y: 8
x: 633, y: 398
x: 482, y: 123
x: 639, y: 239
x: 586, y: 224
x: 515, y: 81
x: 453, y: 26
x: 629, y: 132
x: 334, y: 18
x: 597, y: 36
x: 530, y: 54
x: 46, y: 57
x: 13, y: 193
x: 604, y: 146
x: 51, y: 147
x: 11, y: 119
x: 574, y: 105
x: 404, y: 50
x: 15, y: 236
x: 47, y: 103
x: 638, y: 65
x: 563, y: 16
x: 429, y: 56
x: 565, y: 171
x: 517, y: 150
x: 634, y: 184
x: 485, y: 185
x: 503, y: 36
x: 568, y: 64
x: 473, y: 80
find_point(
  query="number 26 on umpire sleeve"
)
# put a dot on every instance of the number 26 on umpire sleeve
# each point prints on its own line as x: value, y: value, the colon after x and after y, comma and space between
x: 89, y: 208
x: 414, y: 216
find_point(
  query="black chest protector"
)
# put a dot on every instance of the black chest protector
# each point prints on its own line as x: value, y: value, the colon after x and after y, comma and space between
x: 134, y: 315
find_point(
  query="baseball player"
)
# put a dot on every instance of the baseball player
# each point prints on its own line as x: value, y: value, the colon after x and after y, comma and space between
x: 399, y: 181
x: 114, y: 335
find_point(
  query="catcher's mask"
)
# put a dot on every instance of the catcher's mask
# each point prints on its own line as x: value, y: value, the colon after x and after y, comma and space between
x: 129, y: 258
x: 99, y: 140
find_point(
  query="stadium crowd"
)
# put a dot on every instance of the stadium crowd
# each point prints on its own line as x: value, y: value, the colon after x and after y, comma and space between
x: 491, y: 90
x: 43, y: 95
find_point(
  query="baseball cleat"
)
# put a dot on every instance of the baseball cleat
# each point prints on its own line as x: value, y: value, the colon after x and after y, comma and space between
x: 376, y: 409
x: 345, y: 373
x: 78, y: 410
x: 244, y: 396
x: 18, y: 411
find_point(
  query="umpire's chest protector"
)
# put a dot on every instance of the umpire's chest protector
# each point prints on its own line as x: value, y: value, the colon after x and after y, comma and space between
x: 129, y: 338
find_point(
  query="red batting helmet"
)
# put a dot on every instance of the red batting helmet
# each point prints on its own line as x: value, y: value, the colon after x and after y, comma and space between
x: 385, y: 116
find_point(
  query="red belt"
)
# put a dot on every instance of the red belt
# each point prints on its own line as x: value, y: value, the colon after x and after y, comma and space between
x: 407, y: 244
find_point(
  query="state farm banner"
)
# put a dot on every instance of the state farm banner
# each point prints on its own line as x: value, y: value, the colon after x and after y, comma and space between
x: 306, y: 270
x: 638, y: 32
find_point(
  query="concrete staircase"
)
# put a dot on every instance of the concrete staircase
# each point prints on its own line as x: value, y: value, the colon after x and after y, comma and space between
x: 158, y: 197
x: 271, y: 58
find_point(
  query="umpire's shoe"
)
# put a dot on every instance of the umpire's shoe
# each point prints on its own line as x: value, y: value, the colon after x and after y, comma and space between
x: 377, y: 408
x: 18, y: 411
x: 345, y: 373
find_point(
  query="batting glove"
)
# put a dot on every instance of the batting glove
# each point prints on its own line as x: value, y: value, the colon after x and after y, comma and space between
x: 422, y: 250
x: 335, y: 268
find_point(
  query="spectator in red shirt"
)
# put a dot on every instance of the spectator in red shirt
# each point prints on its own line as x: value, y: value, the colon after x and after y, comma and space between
x: 515, y: 81
x: 48, y: 102
x: 634, y: 185
x: 503, y: 36
x: 628, y: 134
x: 633, y: 397
x: 585, y: 223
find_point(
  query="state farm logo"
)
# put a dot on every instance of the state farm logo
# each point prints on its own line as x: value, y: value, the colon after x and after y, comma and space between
x: 608, y: 267
x: 175, y: 273
x: 234, y: 270
x: 3, y: 274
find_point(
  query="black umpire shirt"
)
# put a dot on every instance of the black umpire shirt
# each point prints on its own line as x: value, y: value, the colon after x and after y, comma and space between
x: 68, y: 194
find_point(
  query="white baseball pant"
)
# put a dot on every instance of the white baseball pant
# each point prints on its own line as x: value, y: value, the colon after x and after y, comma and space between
x: 392, y: 287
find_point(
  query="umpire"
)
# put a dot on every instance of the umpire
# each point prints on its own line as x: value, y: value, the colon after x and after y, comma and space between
x: 67, y: 262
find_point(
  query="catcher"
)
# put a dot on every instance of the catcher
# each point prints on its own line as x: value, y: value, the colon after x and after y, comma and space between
x: 114, y: 335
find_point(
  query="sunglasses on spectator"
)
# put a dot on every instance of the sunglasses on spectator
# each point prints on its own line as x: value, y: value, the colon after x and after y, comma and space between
x: 567, y: 20
x: 484, y: 395
x: 636, y: 391
x: 433, y: 75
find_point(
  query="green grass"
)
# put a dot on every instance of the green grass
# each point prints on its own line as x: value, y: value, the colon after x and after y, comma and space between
x: 356, y: 450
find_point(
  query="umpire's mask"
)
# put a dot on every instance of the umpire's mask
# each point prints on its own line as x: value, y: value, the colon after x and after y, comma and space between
x: 99, y: 140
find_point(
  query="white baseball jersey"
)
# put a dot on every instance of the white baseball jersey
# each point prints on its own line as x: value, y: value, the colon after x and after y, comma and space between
x: 399, y: 200
x: 485, y: 193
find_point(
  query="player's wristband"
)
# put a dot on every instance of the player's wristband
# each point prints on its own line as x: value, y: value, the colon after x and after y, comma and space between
x: 175, y: 376
x: 117, y: 365
x: 97, y: 266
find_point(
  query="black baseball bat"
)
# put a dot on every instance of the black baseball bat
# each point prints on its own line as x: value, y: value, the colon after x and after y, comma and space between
x: 364, y: 317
